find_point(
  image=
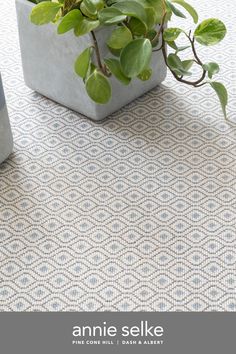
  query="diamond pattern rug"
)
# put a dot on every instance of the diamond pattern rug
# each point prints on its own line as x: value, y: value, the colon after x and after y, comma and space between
x: 134, y: 213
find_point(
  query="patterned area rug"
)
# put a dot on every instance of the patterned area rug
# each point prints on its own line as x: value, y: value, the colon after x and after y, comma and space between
x: 134, y: 213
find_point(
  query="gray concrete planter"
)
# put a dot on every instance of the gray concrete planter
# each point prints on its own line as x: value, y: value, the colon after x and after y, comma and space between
x: 48, y: 62
x: 6, y: 141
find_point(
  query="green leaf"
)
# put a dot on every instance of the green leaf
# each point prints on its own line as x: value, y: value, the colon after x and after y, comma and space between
x: 154, y: 4
x: 135, y: 57
x: 151, y: 17
x: 69, y: 21
x: 137, y: 27
x: 152, y: 35
x: 115, y: 68
x: 187, y: 64
x: 172, y: 45
x: 110, y: 16
x: 222, y: 95
x: 188, y: 8
x: 174, y: 9
x: 211, y: 68
x: 88, y: 9
x: 119, y: 38
x: 86, y: 26
x: 91, y: 8
x: 158, y: 7
x: 132, y: 9
x: 82, y: 63
x: 115, y: 52
x: 91, y: 69
x: 210, y: 32
x: 36, y: 1
x: 171, y: 34
x: 44, y: 12
x: 98, y: 87
x: 182, y: 48
x: 99, y: 4
x: 177, y: 65
x: 145, y: 74
x: 176, y: 48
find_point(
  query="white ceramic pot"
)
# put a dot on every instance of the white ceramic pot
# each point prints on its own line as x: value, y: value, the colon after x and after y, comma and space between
x: 6, y: 141
x: 48, y: 65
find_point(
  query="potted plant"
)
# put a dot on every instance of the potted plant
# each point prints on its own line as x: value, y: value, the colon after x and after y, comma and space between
x: 95, y: 56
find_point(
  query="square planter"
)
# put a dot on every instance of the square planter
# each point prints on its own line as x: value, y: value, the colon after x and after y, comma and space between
x: 6, y: 141
x: 48, y: 66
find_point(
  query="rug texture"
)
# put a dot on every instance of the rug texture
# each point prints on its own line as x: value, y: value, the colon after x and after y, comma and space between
x: 134, y: 213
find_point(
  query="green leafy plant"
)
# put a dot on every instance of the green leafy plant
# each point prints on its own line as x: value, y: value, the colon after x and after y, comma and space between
x: 139, y: 29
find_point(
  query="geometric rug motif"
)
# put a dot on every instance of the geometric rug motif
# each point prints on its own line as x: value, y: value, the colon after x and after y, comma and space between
x: 133, y: 213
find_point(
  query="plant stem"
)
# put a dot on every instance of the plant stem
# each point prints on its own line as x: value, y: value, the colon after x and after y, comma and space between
x: 160, y: 29
x: 98, y: 56
x: 197, y: 83
x: 194, y: 50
